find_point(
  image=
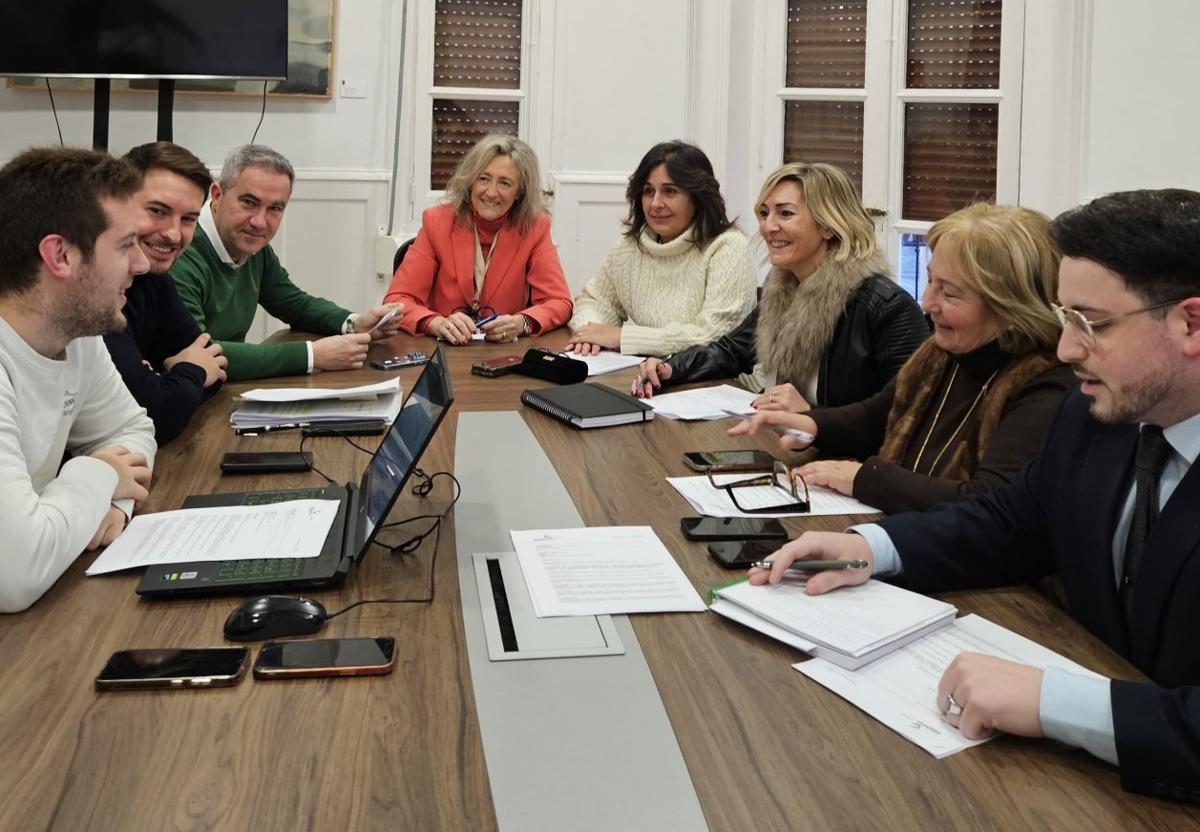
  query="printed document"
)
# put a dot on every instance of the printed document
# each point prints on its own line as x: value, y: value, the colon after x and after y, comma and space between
x: 603, y: 570
x: 606, y: 361
x: 291, y: 529
x: 304, y: 394
x: 718, y: 402
x: 715, y: 502
x: 900, y: 690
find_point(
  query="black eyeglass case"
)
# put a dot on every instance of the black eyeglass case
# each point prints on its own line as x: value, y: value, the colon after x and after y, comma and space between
x: 547, y: 366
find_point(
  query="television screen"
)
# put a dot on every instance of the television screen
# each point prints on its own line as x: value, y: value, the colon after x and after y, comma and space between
x: 144, y: 38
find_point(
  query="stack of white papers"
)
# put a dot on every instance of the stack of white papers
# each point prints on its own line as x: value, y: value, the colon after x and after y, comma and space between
x: 291, y: 529
x: 603, y: 570
x: 718, y: 402
x: 367, y: 392
x: 715, y: 502
x: 269, y: 407
x: 850, y: 627
x: 900, y: 690
x: 606, y: 361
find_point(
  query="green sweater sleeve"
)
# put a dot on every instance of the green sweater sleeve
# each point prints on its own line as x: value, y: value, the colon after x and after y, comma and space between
x: 291, y: 304
x: 223, y: 300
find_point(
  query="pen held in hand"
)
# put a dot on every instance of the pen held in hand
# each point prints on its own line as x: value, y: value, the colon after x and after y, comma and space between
x: 814, y: 565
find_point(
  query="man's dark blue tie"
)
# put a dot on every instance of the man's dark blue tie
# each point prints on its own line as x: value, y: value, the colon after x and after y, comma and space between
x: 1152, y: 452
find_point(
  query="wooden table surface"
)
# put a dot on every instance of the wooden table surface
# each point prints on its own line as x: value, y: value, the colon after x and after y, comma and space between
x: 766, y: 747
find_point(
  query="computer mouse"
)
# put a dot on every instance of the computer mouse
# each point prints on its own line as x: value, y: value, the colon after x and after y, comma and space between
x: 272, y: 616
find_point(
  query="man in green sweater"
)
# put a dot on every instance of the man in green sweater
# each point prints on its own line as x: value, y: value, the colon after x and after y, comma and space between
x: 230, y: 269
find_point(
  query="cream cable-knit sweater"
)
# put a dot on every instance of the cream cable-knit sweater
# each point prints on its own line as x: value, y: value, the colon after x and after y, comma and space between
x: 670, y: 296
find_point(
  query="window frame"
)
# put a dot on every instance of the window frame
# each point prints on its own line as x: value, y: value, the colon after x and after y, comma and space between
x: 884, y: 95
x: 421, y: 194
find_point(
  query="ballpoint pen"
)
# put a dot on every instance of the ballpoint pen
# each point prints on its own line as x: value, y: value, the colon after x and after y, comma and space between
x: 257, y: 429
x: 814, y: 565
x: 487, y: 320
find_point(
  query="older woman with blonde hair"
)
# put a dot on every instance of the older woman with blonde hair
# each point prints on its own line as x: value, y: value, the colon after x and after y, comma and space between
x: 831, y: 327
x: 483, y: 260
x: 970, y: 406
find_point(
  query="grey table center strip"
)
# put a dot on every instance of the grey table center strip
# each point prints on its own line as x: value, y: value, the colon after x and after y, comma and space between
x: 575, y: 743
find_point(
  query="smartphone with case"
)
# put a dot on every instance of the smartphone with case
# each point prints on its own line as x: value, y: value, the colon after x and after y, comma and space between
x: 266, y: 462
x: 497, y: 366
x: 209, y: 667
x: 397, y: 361
x: 326, y: 657
x: 742, y: 554
x: 732, y: 528
x: 729, y: 461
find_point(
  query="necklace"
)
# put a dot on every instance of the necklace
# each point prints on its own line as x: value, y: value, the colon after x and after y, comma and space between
x: 938, y: 414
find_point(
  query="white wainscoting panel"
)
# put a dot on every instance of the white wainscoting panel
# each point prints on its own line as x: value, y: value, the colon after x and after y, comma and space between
x: 588, y: 209
x: 327, y: 237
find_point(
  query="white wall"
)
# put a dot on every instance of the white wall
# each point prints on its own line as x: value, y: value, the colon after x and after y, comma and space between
x: 1142, y: 119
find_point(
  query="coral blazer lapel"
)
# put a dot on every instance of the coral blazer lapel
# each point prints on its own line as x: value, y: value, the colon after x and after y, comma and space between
x: 462, y: 242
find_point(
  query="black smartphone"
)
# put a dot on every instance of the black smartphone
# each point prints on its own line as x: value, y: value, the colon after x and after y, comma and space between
x: 326, y: 657
x: 208, y: 667
x: 497, y: 366
x: 732, y: 528
x: 742, y: 553
x: 266, y: 462
x: 729, y: 460
x: 362, y: 427
x: 396, y: 361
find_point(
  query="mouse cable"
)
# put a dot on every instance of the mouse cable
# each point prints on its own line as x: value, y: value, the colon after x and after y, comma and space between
x: 411, y: 544
x: 420, y: 489
x: 328, y: 478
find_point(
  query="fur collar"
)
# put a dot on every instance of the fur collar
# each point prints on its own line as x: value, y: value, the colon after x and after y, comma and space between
x: 922, y: 377
x: 796, y: 320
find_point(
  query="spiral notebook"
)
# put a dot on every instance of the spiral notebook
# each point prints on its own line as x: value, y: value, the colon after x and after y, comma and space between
x: 587, y: 405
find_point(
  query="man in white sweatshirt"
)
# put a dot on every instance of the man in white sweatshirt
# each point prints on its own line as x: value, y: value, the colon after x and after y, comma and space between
x: 68, y: 251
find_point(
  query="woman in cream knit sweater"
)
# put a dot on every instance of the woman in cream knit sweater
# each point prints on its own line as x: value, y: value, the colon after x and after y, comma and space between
x: 681, y: 273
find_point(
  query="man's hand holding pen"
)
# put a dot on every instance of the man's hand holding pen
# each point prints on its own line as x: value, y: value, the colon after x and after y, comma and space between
x: 820, y: 546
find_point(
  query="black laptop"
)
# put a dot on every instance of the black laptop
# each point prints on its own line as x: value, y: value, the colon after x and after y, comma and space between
x: 362, y: 508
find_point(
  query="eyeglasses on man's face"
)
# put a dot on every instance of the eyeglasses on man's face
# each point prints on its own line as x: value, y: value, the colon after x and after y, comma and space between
x: 1087, y: 330
x: 778, y: 492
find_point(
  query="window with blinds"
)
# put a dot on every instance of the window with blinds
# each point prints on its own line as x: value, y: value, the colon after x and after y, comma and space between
x: 825, y: 131
x: 826, y: 43
x: 477, y: 46
x: 826, y: 50
x: 950, y: 149
x: 949, y: 158
x: 953, y: 44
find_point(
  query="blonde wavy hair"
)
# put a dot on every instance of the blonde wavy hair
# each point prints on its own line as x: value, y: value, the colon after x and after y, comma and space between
x: 529, y: 204
x: 833, y: 203
x: 1006, y: 254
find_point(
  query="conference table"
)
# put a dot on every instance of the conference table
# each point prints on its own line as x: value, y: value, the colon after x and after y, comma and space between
x: 764, y: 747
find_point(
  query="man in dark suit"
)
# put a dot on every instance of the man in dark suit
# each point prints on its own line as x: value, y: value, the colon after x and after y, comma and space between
x: 1109, y: 504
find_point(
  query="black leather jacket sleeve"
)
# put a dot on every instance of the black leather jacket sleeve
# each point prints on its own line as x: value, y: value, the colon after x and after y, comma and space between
x: 729, y: 355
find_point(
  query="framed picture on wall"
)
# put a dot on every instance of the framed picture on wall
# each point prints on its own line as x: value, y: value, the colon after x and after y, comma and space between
x: 309, y: 63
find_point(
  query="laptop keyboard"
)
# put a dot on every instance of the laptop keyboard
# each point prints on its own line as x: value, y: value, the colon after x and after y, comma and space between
x: 266, y: 498
x: 267, y: 569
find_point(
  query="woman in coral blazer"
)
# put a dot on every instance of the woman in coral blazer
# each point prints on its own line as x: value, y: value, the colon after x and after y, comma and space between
x: 485, y: 255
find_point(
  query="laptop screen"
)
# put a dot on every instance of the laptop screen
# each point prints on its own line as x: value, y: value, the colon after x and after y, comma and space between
x: 404, y: 443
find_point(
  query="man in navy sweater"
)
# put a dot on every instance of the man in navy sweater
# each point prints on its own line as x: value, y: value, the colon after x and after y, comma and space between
x: 168, y: 364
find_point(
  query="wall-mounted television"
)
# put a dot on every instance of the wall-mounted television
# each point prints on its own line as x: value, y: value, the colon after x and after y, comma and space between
x: 144, y: 38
